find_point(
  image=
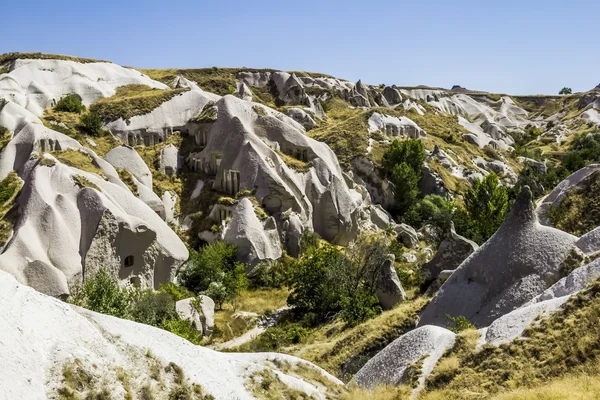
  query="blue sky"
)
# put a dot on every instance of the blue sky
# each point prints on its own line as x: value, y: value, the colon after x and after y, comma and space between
x: 517, y: 47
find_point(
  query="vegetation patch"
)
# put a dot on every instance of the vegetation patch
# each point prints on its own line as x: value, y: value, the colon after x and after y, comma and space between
x: 566, y: 342
x: 127, y: 179
x: 132, y: 100
x: 294, y: 163
x: 579, y: 212
x: 78, y: 159
x: 83, y: 182
x: 70, y: 103
x: 207, y: 115
x: 9, y: 189
x: 5, y: 137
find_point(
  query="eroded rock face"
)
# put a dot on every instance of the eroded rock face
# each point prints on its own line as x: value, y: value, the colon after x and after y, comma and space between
x: 389, y: 366
x: 389, y: 289
x: 242, y: 154
x: 127, y: 158
x: 255, y: 241
x: 453, y: 250
x: 395, y: 126
x: 392, y: 95
x: 407, y: 235
x: 203, y: 319
x: 69, y: 223
x: 517, y: 263
x: 302, y: 117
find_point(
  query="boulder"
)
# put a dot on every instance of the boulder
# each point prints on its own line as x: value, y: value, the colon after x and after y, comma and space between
x: 380, y: 217
x: 202, y: 316
x: 389, y: 289
x: 302, y: 118
x: 407, y: 235
x: 453, y: 250
x: 243, y: 91
x: 293, y: 230
x: 431, y: 183
x: 409, y: 257
x: 169, y: 160
x: 127, y: 158
x: 590, y: 242
x: 389, y: 366
x: 392, y: 95
x: 255, y: 241
x: 521, y: 260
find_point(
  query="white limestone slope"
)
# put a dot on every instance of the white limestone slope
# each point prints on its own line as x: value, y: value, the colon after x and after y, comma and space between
x: 38, y: 84
x: 40, y: 335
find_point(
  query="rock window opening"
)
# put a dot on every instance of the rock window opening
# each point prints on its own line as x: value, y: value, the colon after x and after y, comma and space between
x: 129, y: 261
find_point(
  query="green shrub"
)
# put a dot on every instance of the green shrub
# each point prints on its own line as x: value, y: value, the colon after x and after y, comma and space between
x: 459, y: 323
x: 103, y: 294
x: 91, y: 123
x: 273, y: 275
x: 434, y: 210
x: 213, y: 271
x: 411, y: 152
x: 70, y: 103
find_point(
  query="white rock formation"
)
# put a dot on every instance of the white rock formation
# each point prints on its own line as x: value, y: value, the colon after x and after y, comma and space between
x: 520, y: 261
x: 388, y: 367
x: 302, y: 117
x: 38, y: 84
x: 256, y: 241
x: 40, y: 335
x: 395, y: 126
x: 170, y: 116
x: 127, y: 158
x: 169, y: 160
x: 389, y: 289
x: 66, y: 229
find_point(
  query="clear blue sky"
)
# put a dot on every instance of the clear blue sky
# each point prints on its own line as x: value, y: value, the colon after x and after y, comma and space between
x: 517, y: 47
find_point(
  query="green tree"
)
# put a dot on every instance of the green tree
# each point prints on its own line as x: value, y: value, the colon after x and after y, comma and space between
x: 406, y: 187
x: 70, y: 103
x: 411, y: 152
x: 565, y: 90
x: 207, y: 265
x: 92, y: 124
x: 486, y: 205
x: 432, y: 209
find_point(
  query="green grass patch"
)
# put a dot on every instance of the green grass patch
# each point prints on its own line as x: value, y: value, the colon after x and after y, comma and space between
x: 83, y: 182
x: 79, y: 160
x: 9, y: 188
x: 127, y: 179
x: 8, y: 57
x: 132, y: 100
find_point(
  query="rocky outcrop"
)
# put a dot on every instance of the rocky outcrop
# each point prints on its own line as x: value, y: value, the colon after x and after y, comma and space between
x: 35, y: 84
x: 169, y: 160
x: 590, y: 242
x: 389, y: 289
x: 520, y: 261
x: 127, y: 158
x: 302, y: 117
x: 390, y: 365
x: 243, y: 91
x: 453, y: 250
x: 293, y: 229
x: 41, y: 336
x: 407, y: 235
x: 199, y: 311
x: 431, y: 183
x: 243, y: 153
x: 256, y: 241
x: 392, y: 95
x: 560, y: 191
x: 395, y: 126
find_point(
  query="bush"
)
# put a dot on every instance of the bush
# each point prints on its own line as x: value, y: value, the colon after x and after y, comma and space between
x: 434, y: 210
x: 459, y: 323
x: 213, y: 271
x: 411, y: 152
x: 70, y: 103
x: 406, y: 187
x: 91, y: 123
x: 273, y: 275
x: 103, y: 294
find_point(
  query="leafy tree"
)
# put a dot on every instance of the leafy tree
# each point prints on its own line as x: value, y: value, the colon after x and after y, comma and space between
x: 486, y: 205
x: 327, y: 282
x: 565, y: 90
x: 411, y: 152
x: 406, y: 187
x: 70, y: 103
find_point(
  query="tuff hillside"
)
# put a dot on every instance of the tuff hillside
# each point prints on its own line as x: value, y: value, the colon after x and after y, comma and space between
x: 391, y: 235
